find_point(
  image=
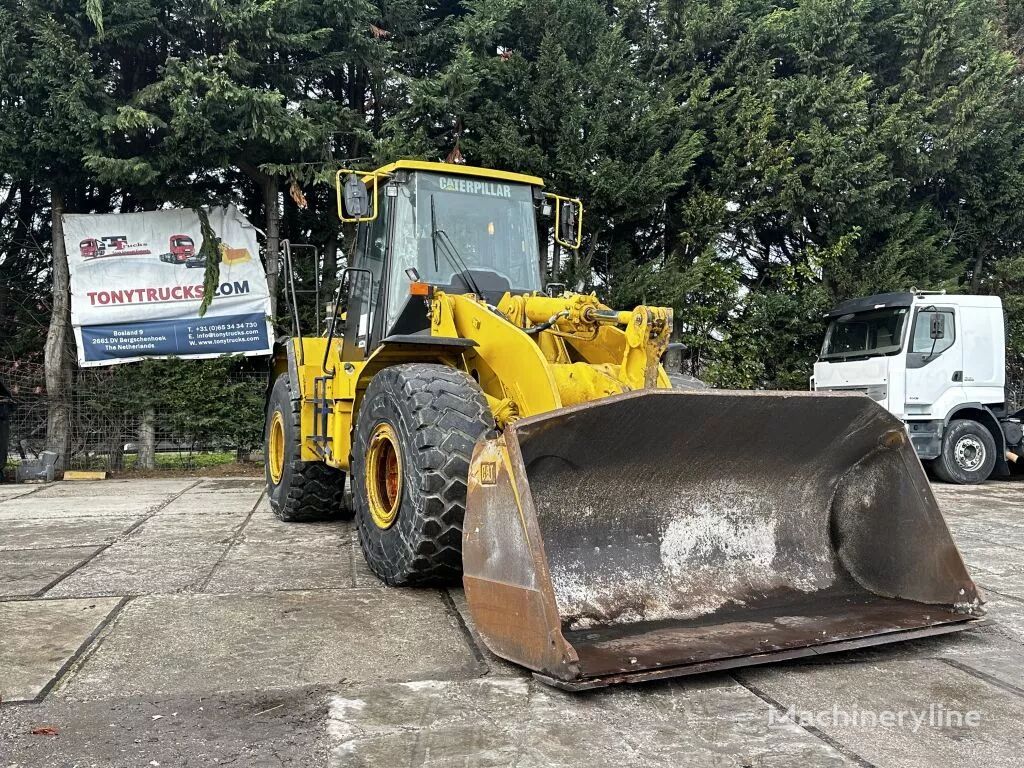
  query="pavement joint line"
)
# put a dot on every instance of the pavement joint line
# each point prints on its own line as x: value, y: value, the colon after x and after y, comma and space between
x: 449, y: 604
x: 82, y: 653
x: 984, y: 676
x: 235, y: 536
x: 812, y: 730
x: 1003, y: 595
x: 68, y: 572
x: 23, y: 495
x: 117, y: 539
x: 133, y: 595
x: 990, y: 542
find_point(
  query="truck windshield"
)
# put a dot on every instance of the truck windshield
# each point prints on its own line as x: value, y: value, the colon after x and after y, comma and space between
x: 448, y: 225
x: 864, y: 334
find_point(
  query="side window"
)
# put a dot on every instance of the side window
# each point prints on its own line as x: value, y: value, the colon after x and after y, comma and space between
x: 922, y: 342
x: 365, y: 285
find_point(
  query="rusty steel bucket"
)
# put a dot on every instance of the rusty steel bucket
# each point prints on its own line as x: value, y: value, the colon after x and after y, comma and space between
x: 664, y: 533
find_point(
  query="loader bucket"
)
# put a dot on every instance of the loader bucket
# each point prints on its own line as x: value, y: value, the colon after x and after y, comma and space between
x: 662, y: 533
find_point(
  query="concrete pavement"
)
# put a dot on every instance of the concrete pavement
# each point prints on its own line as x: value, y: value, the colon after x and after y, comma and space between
x: 178, y: 623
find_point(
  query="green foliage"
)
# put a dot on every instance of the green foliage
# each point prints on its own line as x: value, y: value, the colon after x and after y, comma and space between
x: 211, y: 253
x: 747, y: 162
x: 200, y: 402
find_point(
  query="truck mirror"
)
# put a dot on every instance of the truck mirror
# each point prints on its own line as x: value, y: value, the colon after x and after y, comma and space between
x: 356, y: 198
x: 938, y: 325
x: 356, y: 203
x: 568, y: 221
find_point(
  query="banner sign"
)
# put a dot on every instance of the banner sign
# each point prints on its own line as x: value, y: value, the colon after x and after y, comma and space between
x: 137, y: 283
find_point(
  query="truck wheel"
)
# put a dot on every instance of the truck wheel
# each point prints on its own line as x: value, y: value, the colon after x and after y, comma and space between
x: 298, y: 490
x: 968, y: 453
x: 415, y: 434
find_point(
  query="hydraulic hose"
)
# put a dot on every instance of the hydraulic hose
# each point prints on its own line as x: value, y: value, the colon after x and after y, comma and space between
x: 547, y: 323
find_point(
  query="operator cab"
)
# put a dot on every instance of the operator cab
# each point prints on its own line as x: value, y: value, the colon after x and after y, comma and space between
x: 455, y: 228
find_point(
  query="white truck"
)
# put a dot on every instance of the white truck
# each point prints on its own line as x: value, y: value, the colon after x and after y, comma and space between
x: 938, y: 363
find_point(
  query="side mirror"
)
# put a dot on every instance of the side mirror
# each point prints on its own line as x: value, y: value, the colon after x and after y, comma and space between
x: 938, y: 325
x: 568, y: 221
x: 356, y: 203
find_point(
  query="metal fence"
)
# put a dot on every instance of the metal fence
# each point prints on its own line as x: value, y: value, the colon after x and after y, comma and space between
x: 112, y: 418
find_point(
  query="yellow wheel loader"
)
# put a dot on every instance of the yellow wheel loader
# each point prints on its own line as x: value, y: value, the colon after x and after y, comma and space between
x: 526, y: 440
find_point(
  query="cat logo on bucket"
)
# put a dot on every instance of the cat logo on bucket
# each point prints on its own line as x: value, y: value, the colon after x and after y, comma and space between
x: 488, y: 473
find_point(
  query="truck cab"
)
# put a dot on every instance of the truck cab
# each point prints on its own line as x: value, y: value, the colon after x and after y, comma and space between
x: 937, y: 362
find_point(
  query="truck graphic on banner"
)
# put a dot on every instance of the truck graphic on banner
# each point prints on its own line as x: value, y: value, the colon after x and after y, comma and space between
x: 182, y: 248
x: 133, y: 307
x: 110, y: 245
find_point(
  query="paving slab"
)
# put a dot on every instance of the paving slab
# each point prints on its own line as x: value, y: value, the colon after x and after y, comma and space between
x: 72, y: 532
x: 212, y: 503
x: 168, y: 529
x: 362, y: 576
x: 114, y: 488
x: 264, y: 641
x: 506, y: 721
x: 250, y: 730
x: 40, y: 637
x: 264, y: 526
x: 1005, y: 579
x: 232, y: 485
x: 938, y: 700
x: 132, y: 568
x: 37, y: 507
x: 9, y: 491
x: 252, y: 566
x: 26, y: 572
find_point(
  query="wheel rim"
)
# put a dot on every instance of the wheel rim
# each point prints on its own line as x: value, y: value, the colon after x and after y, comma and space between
x: 969, y: 453
x: 384, y: 476
x: 275, y: 449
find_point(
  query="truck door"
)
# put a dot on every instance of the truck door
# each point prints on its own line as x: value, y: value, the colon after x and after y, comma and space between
x: 366, y: 285
x: 934, y: 365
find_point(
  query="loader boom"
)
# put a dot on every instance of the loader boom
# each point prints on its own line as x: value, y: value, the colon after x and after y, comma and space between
x: 529, y: 442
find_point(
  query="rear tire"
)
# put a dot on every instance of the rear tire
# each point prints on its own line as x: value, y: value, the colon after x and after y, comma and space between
x: 415, y: 434
x: 968, y: 453
x: 302, y: 491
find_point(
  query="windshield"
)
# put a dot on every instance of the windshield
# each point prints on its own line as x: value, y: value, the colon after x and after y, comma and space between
x: 864, y: 334
x: 447, y: 225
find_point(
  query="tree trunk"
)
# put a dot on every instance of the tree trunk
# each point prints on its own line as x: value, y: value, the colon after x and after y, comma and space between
x: 147, y: 439
x: 272, y: 212
x: 979, y: 264
x: 57, y: 362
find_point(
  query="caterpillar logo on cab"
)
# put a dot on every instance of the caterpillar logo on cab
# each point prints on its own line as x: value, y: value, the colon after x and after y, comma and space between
x: 473, y: 187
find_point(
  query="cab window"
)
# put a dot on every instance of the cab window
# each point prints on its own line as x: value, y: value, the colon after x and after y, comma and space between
x: 922, y: 342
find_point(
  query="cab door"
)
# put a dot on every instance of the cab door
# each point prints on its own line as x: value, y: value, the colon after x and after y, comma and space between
x: 367, y: 279
x: 934, y: 365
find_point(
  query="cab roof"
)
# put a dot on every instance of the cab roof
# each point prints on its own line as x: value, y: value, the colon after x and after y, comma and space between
x: 460, y: 170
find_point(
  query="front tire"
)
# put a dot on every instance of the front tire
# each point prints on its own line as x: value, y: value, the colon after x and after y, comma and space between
x: 415, y: 434
x: 968, y: 453
x: 299, y: 491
